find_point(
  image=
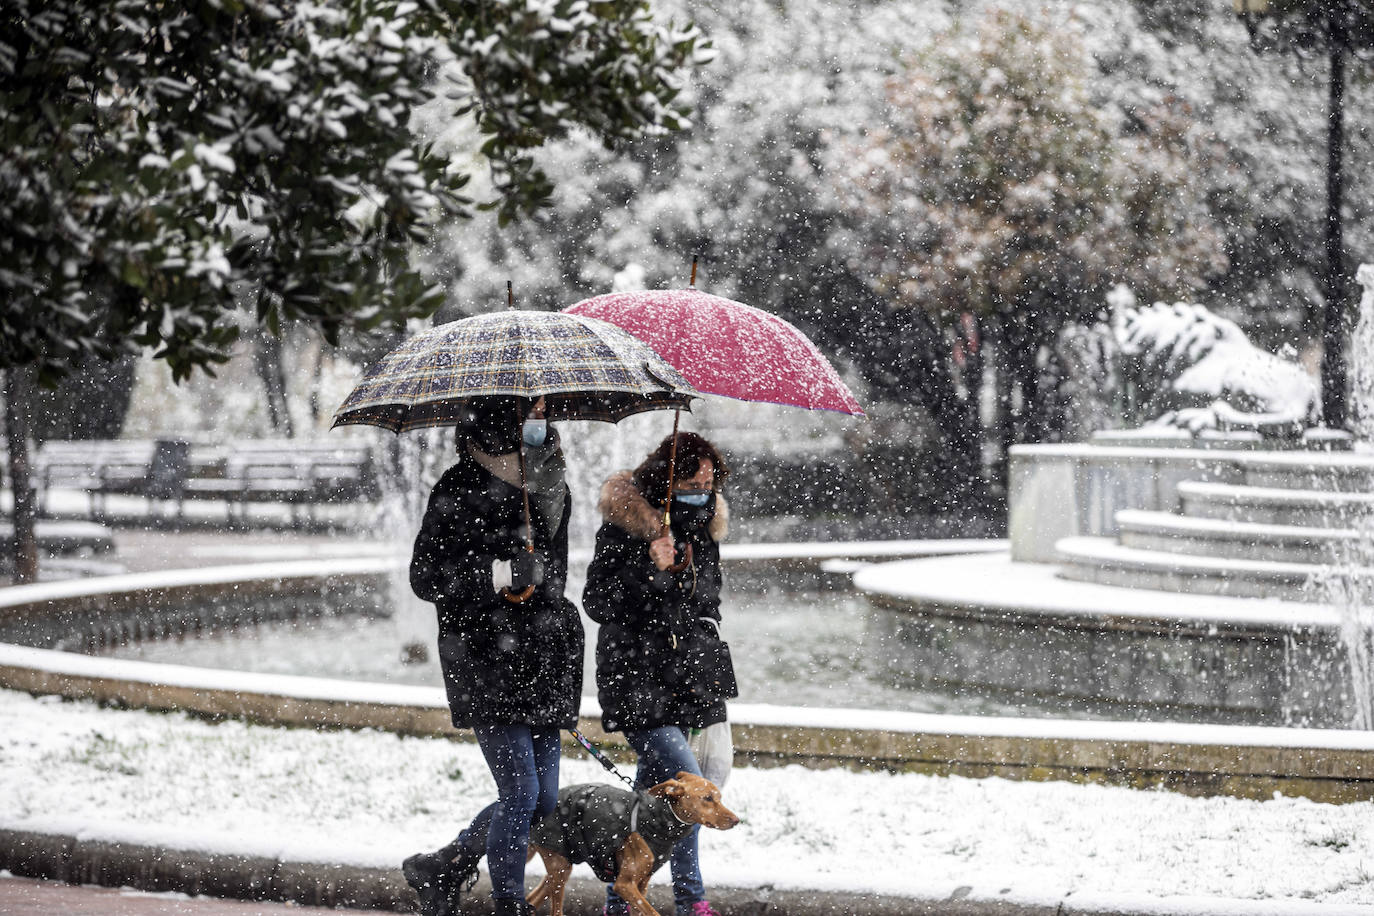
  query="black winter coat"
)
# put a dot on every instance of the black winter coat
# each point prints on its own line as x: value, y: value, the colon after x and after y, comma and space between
x: 640, y: 676
x: 503, y: 663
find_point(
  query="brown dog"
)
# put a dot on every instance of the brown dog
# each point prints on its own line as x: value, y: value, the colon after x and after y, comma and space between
x: 625, y: 836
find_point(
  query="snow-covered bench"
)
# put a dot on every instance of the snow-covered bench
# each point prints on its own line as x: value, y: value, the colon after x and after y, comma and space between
x: 171, y: 472
x: 299, y: 475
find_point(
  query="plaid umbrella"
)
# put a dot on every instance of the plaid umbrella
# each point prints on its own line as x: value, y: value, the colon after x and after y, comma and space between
x: 585, y: 368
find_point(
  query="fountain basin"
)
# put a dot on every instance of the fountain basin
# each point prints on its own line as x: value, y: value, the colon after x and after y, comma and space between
x: 1018, y: 630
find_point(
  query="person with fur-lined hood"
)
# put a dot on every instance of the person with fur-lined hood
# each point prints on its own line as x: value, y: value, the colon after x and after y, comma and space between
x: 661, y: 667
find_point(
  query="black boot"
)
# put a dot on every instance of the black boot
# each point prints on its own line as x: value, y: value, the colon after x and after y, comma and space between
x: 424, y: 872
x: 440, y: 878
x: 458, y: 877
x: 512, y: 906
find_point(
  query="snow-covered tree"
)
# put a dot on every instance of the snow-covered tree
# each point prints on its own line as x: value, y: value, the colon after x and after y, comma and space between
x: 997, y: 188
x: 164, y: 164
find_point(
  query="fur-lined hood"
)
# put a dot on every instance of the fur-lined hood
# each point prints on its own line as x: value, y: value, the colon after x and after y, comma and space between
x: 624, y: 506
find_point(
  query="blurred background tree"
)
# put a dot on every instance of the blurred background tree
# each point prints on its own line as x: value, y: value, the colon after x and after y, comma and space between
x: 1005, y: 211
x: 1332, y: 32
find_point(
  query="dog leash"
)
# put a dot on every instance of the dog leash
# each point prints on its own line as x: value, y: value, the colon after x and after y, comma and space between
x: 602, y: 758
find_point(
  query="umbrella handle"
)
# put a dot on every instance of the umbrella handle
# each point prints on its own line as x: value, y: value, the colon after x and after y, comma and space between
x: 526, y: 593
x: 672, y: 473
x: 685, y: 562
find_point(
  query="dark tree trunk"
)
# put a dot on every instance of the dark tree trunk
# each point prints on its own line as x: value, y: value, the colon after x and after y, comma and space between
x: 1002, y: 423
x: 316, y: 409
x: 905, y: 356
x: 1054, y: 410
x: 1039, y: 388
x: 1027, y: 400
x: 957, y: 415
x: 267, y: 359
x: 1021, y: 384
x: 1334, y: 373
x: 16, y: 432
x: 972, y: 343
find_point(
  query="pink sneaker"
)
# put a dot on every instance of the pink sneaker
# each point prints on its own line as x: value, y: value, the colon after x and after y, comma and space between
x: 702, y: 908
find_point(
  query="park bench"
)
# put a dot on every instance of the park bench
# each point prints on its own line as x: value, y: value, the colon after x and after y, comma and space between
x: 299, y: 475
x: 156, y: 474
x: 145, y: 468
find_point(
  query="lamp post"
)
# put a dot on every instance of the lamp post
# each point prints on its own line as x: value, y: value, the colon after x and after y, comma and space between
x: 1324, y: 25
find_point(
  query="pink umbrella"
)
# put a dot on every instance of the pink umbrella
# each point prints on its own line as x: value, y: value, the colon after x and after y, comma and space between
x: 726, y: 347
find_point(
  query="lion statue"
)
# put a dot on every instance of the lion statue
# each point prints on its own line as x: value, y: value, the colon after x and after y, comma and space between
x: 1199, y: 371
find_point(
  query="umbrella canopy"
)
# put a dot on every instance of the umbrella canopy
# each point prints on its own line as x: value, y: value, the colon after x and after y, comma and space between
x: 726, y: 347
x: 585, y: 368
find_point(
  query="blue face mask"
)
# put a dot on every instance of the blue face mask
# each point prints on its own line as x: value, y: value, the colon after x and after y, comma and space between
x: 535, y: 432
x: 692, y: 497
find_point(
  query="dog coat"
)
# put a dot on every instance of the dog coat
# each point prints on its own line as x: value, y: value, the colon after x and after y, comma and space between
x: 593, y: 820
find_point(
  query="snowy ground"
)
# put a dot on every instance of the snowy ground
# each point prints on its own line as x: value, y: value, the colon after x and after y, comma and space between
x: 369, y: 798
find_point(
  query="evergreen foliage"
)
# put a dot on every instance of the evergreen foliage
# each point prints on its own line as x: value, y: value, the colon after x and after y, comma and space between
x: 1313, y: 26
x: 163, y: 164
x: 985, y: 193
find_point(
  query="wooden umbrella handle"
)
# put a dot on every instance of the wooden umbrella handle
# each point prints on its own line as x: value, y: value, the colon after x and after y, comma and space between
x: 685, y: 562
x: 525, y: 594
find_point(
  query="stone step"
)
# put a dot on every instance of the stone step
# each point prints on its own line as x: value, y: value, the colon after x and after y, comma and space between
x: 1223, y: 538
x: 1343, y: 473
x: 1275, y: 506
x: 1106, y: 562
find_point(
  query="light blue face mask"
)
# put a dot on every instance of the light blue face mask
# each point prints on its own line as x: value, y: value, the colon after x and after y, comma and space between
x: 535, y: 432
x: 692, y: 497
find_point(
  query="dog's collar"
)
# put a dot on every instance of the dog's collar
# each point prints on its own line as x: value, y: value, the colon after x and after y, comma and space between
x: 675, y: 814
x: 634, y: 812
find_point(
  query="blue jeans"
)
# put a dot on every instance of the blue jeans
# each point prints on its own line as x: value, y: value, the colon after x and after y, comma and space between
x: 662, y: 753
x: 524, y: 763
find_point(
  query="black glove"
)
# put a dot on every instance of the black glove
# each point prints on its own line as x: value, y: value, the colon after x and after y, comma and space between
x: 526, y: 569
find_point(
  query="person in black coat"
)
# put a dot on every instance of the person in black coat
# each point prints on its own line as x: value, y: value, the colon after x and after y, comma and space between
x: 661, y: 668
x: 510, y: 642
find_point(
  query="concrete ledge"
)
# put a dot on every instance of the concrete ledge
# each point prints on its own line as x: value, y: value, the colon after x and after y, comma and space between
x: 157, y: 868
x: 152, y: 867
x: 1191, y: 769
x: 85, y: 613
x: 1247, y: 762
x: 1105, y: 561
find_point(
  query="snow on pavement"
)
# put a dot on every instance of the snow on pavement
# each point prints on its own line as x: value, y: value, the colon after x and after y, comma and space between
x: 371, y: 798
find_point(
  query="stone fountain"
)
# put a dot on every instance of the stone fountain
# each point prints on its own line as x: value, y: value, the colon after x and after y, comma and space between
x: 1201, y: 567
